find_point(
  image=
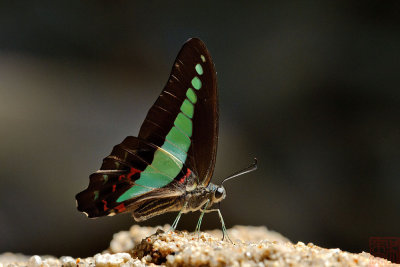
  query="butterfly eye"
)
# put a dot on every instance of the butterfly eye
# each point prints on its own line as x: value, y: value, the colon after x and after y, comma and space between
x: 219, y: 192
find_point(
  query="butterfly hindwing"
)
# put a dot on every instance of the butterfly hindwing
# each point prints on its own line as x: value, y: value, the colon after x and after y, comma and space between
x: 125, y: 175
x: 99, y: 198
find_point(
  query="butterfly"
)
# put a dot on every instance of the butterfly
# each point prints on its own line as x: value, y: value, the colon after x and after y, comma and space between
x: 168, y: 167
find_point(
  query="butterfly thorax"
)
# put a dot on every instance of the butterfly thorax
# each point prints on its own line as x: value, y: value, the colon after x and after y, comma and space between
x: 198, y: 197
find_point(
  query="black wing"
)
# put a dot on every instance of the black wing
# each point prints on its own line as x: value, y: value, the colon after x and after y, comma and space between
x: 162, y: 115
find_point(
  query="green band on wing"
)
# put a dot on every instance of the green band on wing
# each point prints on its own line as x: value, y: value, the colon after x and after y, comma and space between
x: 174, y: 150
x: 184, y: 124
x: 196, y: 83
x: 154, y: 179
x: 187, y: 108
x: 179, y: 139
x: 199, y: 69
x: 163, y: 161
x: 133, y: 192
x: 191, y: 95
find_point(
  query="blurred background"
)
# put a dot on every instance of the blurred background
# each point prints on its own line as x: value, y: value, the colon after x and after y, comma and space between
x: 310, y: 89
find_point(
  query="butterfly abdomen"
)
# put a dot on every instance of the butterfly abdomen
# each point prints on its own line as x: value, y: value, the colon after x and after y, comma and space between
x: 151, y: 208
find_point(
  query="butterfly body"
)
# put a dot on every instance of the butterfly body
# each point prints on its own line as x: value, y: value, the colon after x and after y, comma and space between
x: 168, y: 167
x: 189, y: 201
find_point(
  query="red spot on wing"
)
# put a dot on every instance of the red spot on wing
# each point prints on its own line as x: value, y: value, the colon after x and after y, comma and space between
x: 105, y: 204
x: 183, y: 179
x: 128, y: 176
x: 114, y: 187
x: 120, y: 207
x: 132, y: 172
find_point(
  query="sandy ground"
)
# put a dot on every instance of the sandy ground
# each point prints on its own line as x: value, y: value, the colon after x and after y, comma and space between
x: 252, y: 246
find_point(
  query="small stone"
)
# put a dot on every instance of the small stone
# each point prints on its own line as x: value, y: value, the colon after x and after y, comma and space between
x: 34, y: 261
x: 68, y: 261
x: 121, y: 242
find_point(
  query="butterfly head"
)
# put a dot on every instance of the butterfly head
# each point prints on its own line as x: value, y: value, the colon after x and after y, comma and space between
x: 219, y: 193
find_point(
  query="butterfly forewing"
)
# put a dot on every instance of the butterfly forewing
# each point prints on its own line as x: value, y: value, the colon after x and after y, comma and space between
x: 191, y: 91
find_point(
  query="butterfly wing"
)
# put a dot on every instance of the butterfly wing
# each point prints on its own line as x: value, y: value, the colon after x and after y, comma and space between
x: 144, y: 175
x: 127, y: 176
x: 184, y: 118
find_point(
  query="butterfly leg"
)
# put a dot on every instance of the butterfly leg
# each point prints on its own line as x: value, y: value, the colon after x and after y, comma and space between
x: 175, y: 223
x: 197, y: 230
x: 224, y: 231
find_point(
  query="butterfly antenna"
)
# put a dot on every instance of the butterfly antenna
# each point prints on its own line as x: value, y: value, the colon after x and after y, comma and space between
x: 251, y: 168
